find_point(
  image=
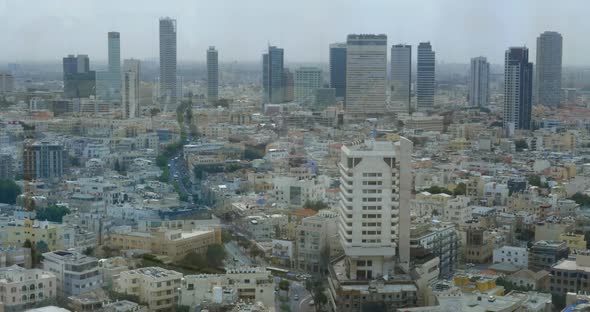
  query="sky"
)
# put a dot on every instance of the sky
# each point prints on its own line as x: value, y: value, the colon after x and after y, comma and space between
x: 42, y: 30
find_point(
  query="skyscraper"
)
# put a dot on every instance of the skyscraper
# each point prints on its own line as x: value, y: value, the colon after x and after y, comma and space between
x: 130, y: 88
x: 374, y: 207
x: 6, y: 82
x: 307, y: 81
x: 425, y: 76
x: 548, y: 69
x: 115, y: 60
x: 518, y: 87
x: 168, y: 89
x: 479, y: 82
x: 366, y: 74
x: 79, y: 80
x: 288, y: 85
x: 272, y: 75
x: 212, y: 75
x: 401, y: 76
x: 338, y: 68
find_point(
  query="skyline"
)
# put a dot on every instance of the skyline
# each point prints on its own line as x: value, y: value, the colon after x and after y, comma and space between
x: 240, y: 30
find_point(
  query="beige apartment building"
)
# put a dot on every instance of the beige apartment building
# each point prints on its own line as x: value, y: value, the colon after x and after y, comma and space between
x: 155, y: 287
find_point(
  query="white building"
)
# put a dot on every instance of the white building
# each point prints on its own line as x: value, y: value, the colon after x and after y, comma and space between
x: 296, y: 192
x: 518, y: 256
x: 307, y: 81
x: 375, y: 184
x: 366, y: 74
x: 76, y: 273
x: 457, y: 210
x: 22, y: 288
x: 156, y: 287
x: 314, y: 236
x: 130, y: 94
x: 479, y: 82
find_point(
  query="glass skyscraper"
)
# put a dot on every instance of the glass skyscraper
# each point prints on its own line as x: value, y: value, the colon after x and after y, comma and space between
x: 338, y: 68
x: 425, y: 76
x: 168, y: 89
x: 518, y: 87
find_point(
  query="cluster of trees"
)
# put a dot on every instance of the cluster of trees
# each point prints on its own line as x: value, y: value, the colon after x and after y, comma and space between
x: 53, y: 213
x: 316, y: 205
x: 460, y: 189
x: 9, y: 191
x: 581, y: 199
x: 37, y: 250
x: 120, y: 168
x: 252, y: 152
x: 535, y: 180
x: 318, y: 293
x: 211, y: 261
x: 201, y: 171
x: 521, y: 145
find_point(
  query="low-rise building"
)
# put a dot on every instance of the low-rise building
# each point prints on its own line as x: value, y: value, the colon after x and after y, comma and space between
x: 478, y: 247
x: 441, y: 239
x: 248, y: 284
x: 543, y: 254
x: 22, y: 288
x: 154, y: 286
x: 517, y: 256
x: 76, y: 273
x: 526, y: 278
x: 312, y: 243
x: 573, y: 241
x: 571, y: 275
x: 20, y: 256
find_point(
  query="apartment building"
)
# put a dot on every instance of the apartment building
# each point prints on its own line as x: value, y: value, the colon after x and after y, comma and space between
x: 155, y: 287
x: 441, y: 239
x: 544, y: 254
x: 76, y: 274
x: 22, y: 288
x: 571, y: 275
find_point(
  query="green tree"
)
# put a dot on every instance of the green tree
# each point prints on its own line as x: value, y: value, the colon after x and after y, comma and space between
x: 437, y: 190
x: 318, y: 292
x: 461, y: 189
x: 53, y: 213
x: 315, y: 205
x: 581, y: 199
x: 9, y: 191
x: 215, y: 255
x: 284, y: 285
x: 520, y: 145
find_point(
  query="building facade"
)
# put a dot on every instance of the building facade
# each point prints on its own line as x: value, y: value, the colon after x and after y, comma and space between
x: 212, y: 75
x: 401, y: 76
x: 543, y: 254
x: 548, y: 69
x: 79, y: 80
x: 307, y: 81
x: 114, y: 55
x: 571, y: 275
x: 479, y: 82
x: 168, y: 87
x: 130, y: 88
x: 425, y: 74
x: 273, y: 75
x: 338, y: 68
x: 42, y: 160
x: 155, y: 286
x: 518, y: 87
x: 21, y: 289
x: 442, y: 240
x: 76, y: 274
x: 6, y: 82
x: 518, y: 256
x: 366, y: 74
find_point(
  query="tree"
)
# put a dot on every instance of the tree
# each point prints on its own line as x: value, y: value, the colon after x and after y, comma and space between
x: 215, y: 255
x: 581, y: 199
x: 284, y: 285
x: 315, y: 205
x: 254, y: 152
x: 461, y: 189
x: 9, y: 191
x: 437, y: 190
x: 520, y: 145
x: 535, y: 180
x: 53, y: 213
x: 317, y: 290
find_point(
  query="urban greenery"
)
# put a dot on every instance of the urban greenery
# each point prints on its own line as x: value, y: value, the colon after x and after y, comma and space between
x: 9, y: 191
x: 581, y: 199
x: 53, y: 213
x: 318, y: 292
x: 315, y: 205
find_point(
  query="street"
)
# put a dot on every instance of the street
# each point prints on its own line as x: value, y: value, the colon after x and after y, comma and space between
x: 297, y: 290
x: 236, y: 255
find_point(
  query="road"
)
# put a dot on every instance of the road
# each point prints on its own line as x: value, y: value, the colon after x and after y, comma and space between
x: 298, y: 291
x: 178, y: 173
x: 236, y: 253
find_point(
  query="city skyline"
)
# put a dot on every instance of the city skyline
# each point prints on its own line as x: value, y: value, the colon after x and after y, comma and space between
x: 140, y: 32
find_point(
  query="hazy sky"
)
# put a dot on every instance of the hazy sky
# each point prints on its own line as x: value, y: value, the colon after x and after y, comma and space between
x: 47, y: 30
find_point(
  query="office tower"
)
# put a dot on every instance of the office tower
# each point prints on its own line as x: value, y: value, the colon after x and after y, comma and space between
x: 168, y: 89
x: 401, y: 76
x: 130, y: 88
x: 366, y: 74
x: 518, y: 87
x: 42, y: 160
x: 374, y: 207
x: 307, y: 80
x: 338, y: 68
x: 6, y: 166
x: 548, y: 69
x: 79, y: 80
x: 289, y: 85
x: 212, y: 75
x: 115, y: 61
x: 272, y: 75
x: 425, y: 76
x: 479, y: 82
x: 6, y: 82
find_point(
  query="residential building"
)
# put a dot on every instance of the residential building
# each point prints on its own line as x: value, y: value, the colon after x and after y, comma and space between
x: 154, y: 286
x: 168, y: 87
x: 21, y: 289
x: 518, y: 88
x: 75, y: 273
x: 19, y: 256
x: 272, y: 75
x: 571, y: 275
x: 6, y: 166
x: 247, y: 284
x: 440, y: 239
x: 17, y: 232
x: 42, y: 160
x: 296, y: 192
x: 130, y: 88
x: 338, y: 68
x: 528, y: 279
x: 425, y: 84
x: 478, y: 247
x: 544, y: 254
x: 79, y: 80
x: 6, y: 82
x: 307, y: 81
x: 366, y: 74
x: 548, y: 69
x: 401, y: 76
x: 312, y: 242
x: 518, y: 256
x: 479, y: 82
x: 573, y: 241
x: 212, y: 75
x: 175, y: 244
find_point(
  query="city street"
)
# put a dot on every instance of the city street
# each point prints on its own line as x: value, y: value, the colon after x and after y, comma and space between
x: 297, y: 290
x: 236, y: 256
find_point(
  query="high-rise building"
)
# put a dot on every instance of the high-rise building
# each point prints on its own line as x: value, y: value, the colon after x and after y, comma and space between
x: 518, y: 87
x: 401, y: 76
x: 115, y: 61
x: 130, y: 88
x: 425, y: 76
x: 366, y: 74
x: 168, y: 89
x: 374, y: 207
x: 272, y: 75
x: 6, y: 82
x: 324, y: 97
x: 212, y: 75
x: 79, y: 80
x: 479, y: 82
x: 289, y: 85
x: 42, y: 160
x: 338, y: 68
x: 548, y: 69
x: 307, y: 80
